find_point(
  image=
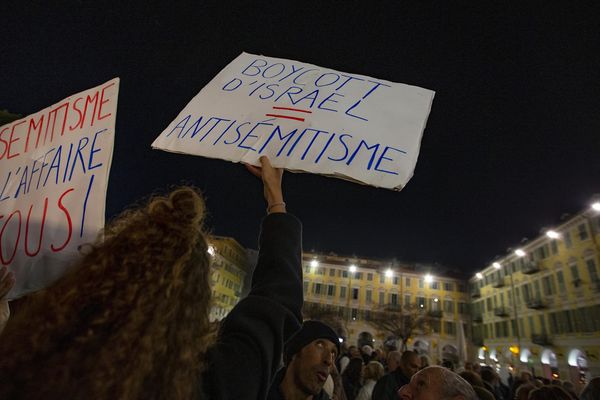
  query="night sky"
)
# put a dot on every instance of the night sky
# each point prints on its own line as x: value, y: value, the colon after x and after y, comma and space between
x: 512, y: 141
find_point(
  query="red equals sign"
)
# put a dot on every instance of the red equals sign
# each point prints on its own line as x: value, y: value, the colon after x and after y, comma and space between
x: 288, y: 116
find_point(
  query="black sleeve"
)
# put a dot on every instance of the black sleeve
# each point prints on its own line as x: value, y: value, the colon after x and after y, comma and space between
x: 249, y: 347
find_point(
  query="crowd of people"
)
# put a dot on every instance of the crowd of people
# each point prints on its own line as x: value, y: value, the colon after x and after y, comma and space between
x: 130, y: 320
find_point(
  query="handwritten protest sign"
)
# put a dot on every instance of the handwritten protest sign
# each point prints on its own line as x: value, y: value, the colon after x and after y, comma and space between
x: 305, y: 118
x: 54, y: 169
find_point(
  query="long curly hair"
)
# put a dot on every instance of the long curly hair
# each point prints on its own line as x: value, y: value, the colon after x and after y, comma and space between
x: 129, y: 321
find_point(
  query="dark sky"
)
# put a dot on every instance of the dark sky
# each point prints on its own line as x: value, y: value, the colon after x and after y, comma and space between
x: 512, y: 141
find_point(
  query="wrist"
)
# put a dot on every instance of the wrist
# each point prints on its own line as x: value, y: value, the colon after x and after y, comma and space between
x: 276, y: 207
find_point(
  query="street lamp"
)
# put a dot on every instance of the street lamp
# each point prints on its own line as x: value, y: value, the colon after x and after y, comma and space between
x: 596, y: 206
x: 314, y: 264
x: 479, y: 275
x: 519, y: 253
x: 552, y: 234
x: 497, y: 265
x: 428, y: 278
x: 389, y: 273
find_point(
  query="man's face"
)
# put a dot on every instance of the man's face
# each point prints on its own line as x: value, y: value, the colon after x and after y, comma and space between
x: 424, y: 385
x: 411, y: 366
x: 311, y: 366
x: 392, y: 363
x: 354, y: 352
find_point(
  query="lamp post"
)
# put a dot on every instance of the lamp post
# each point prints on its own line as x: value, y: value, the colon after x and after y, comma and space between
x: 352, y: 270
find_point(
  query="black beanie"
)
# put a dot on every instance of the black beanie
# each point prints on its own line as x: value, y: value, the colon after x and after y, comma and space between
x: 311, y: 330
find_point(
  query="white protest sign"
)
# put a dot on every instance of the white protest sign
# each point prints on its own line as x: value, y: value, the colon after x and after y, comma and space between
x: 54, y: 168
x: 307, y: 118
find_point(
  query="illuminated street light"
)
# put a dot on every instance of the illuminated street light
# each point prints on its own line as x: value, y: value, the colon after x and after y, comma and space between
x: 428, y: 278
x: 497, y: 265
x: 520, y: 252
x: 479, y: 275
x: 353, y: 268
x: 435, y: 300
x: 596, y: 206
x: 211, y: 251
x: 314, y: 264
x: 553, y: 234
x: 389, y: 273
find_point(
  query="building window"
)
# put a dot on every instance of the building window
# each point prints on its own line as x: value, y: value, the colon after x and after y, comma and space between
x: 582, y: 231
x: 435, y: 285
x: 370, y: 276
x: 381, y: 298
x: 369, y: 296
x: 354, y: 293
x: 554, y: 247
x: 568, y: 241
x: 463, y: 308
x: 330, y: 290
x: 354, y: 314
x: 450, y: 328
x: 317, y: 288
x: 358, y: 275
x: 396, y: 280
x: 394, y: 299
x: 574, y: 273
x: 488, y: 303
x: 420, y: 302
x: 343, y: 292
x: 344, y: 274
x: 407, y: 299
x: 461, y: 287
x: 449, y: 306
x: 420, y: 283
x: 592, y: 270
x: 320, y: 271
x: 407, y: 282
x: 561, y: 281
x: 305, y: 284
x: 331, y: 272
x: 381, y: 278
x: 548, y: 285
x: 448, y: 286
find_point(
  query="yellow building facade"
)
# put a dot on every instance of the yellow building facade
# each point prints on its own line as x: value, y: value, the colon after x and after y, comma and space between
x: 538, y: 307
x: 354, y: 287
x: 228, y: 269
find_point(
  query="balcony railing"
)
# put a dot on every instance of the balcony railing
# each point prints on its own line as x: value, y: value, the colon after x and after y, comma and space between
x: 498, y: 283
x: 475, y: 293
x: 536, y: 304
x: 477, y: 318
x: 435, y: 313
x: 541, y: 339
x: 531, y: 267
x: 501, y: 312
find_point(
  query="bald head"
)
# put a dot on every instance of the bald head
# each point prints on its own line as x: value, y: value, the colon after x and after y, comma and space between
x: 437, y: 383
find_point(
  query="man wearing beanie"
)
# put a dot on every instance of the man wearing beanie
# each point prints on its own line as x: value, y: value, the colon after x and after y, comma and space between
x: 309, y: 358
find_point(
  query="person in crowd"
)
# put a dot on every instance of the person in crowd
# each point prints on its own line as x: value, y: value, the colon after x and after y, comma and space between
x: 477, y: 384
x: 522, y: 391
x: 570, y: 388
x: 353, y: 352
x: 448, y: 364
x: 131, y: 318
x: 372, y: 372
x: 393, y: 360
x: 7, y: 281
x: 591, y: 391
x: 309, y: 359
x: 468, y: 366
x: 367, y: 353
x: 352, y: 377
x: 387, y: 387
x: 436, y: 383
x: 491, y: 380
x: 549, y: 392
x: 424, y: 361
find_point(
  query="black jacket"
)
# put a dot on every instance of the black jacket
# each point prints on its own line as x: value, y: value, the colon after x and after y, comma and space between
x: 388, y: 386
x: 243, y: 362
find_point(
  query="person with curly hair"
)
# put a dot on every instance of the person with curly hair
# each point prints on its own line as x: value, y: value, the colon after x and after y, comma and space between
x: 131, y: 318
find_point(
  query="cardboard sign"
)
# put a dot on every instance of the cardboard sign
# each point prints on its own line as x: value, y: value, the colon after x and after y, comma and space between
x: 54, y: 169
x: 305, y: 118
